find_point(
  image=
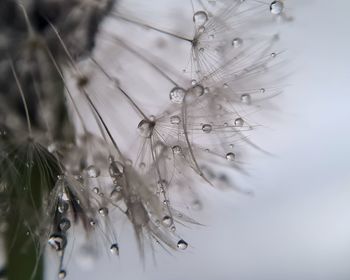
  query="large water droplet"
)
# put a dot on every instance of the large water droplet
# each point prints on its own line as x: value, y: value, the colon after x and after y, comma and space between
x: 177, y: 95
x: 237, y: 42
x: 198, y: 90
x: 276, y: 7
x: 57, y: 241
x: 239, y: 122
x: 92, y: 171
x: 207, y: 128
x: 200, y: 18
x: 114, y: 249
x: 182, y: 244
x: 145, y: 128
x: 230, y: 156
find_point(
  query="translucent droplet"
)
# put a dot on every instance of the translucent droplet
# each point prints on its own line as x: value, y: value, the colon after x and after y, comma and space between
x: 207, y: 128
x: 276, y: 7
x: 64, y: 224
x: 237, y: 42
x: 92, y: 171
x: 62, y: 206
x: 116, y: 169
x: 145, y: 128
x: 175, y: 120
x: 198, y: 90
x: 182, y: 244
x: 239, y: 122
x: 92, y: 222
x: 114, y: 249
x: 200, y: 18
x: 57, y: 241
x: 62, y: 274
x: 96, y: 190
x: 262, y: 90
x: 176, y: 149
x: 167, y: 221
x: 246, y: 99
x: 230, y: 156
x: 177, y: 95
x: 103, y: 211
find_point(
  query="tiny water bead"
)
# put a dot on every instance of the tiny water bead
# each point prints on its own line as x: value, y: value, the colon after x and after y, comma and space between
x: 200, y: 18
x: 177, y: 95
x: 175, y: 120
x: 92, y: 171
x: 62, y: 206
x: 62, y: 274
x: 276, y: 7
x: 182, y: 244
x: 57, y: 241
x: 230, y: 156
x: 176, y: 149
x: 198, y: 90
x: 116, y: 168
x: 239, y: 122
x: 114, y: 249
x: 167, y: 221
x: 145, y: 128
x: 237, y: 42
x: 246, y: 99
x: 103, y: 211
x: 207, y: 128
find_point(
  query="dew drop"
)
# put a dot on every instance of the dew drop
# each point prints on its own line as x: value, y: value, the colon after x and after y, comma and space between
x: 62, y: 274
x: 246, y: 99
x: 176, y: 149
x: 175, y: 120
x: 262, y: 90
x: 64, y: 224
x: 57, y: 241
x: 239, y: 122
x: 198, y: 90
x: 116, y: 169
x: 167, y: 221
x: 177, y: 95
x: 92, y: 171
x: 230, y: 156
x: 237, y: 42
x: 96, y: 190
x: 103, y: 211
x: 114, y: 249
x: 207, y: 128
x: 200, y: 18
x: 145, y: 128
x: 182, y: 244
x: 276, y: 7
x: 62, y: 207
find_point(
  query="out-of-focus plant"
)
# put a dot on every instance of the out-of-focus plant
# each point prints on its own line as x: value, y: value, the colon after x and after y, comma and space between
x: 58, y: 171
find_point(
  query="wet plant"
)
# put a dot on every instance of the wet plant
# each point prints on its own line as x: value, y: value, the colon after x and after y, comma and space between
x: 108, y: 113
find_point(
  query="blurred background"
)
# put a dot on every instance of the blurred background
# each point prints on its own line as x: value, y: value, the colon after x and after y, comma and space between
x: 297, y: 224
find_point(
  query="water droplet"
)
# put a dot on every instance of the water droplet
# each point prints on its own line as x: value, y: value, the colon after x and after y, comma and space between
x: 175, y: 120
x: 246, y: 99
x: 62, y: 206
x: 92, y: 171
x: 207, y: 128
x: 239, y: 122
x: 198, y: 90
x: 92, y: 222
x: 114, y: 249
x: 177, y: 95
x: 57, y: 241
x: 182, y: 244
x: 230, y: 156
x: 273, y: 55
x: 103, y: 211
x: 96, y: 190
x: 62, y: 274
x: 167, y: 221
x: 176, y: 149
x: 201, y: 29
x: 200, y: 18
x: 276, y: 7
x: 145, y: 128
x: 262, y: 90
x: 237, y: 42
x: 116, y: 169
x: 64, y: 224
